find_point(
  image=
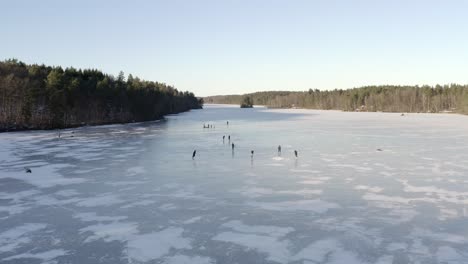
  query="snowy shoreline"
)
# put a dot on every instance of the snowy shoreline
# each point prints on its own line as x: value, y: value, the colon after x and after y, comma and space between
x: 331, y: 110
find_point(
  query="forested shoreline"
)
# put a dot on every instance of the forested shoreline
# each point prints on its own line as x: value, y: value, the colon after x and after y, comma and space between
x: 43, y: 97
x: 385, y: 98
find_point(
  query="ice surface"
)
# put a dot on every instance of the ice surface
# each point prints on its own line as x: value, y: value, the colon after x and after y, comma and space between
x: 327, y: 249
x: 181, y: 259
x: 16, y: 236
x: 110, y: 232
x: 157, y: 244
x: 316, y: 206
x: 44, y: 176
x: 132, y: 193
x: 93, y: 217
x: 100, y: 200
x: 275, y: 231
x: 45, y: 256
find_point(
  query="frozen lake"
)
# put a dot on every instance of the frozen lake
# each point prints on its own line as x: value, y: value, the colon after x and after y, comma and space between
x: 133, y: 194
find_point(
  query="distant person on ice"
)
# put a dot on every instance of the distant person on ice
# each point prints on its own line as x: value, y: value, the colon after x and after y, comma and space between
x: 251, y: 153
x: 223, y: 139
x: 194, y: 153
x: 232, y: 146
x: 279, y: 150
x: 227, y: 123
x: 295, y: 153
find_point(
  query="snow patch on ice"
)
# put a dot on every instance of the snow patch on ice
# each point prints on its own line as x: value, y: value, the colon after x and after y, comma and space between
x: 329, y: 251
x: 45, y: 256
x: 92, y: 216
x: 305, y: 171
x: 138, y: 203
x: 396, y: 246
x: 14, y: 209
x: 301, y: 192
x: 182, y: 259
x: 446, y: 214
x: 274, y: 231
x: 100, y: 200
x: 443, y: 194
x: 11, y: 239
x: 17, y: 197
x: 276, y: 249
x: 135, y: 170
x: 43, y: 177
x: 374, y: 189
x: 254, y: 192
x: 275, y: 164
x: 125, y: 183
x: 449, y: 255
x: 277, y: 158
x: 155, y: 245
x: 193, y: 220
x: 352, y: 166
x: 265, y: 239
x: 387, y: 259
x: 87, y: 171
x: 312, y: 182
x: 439, y: 236
x: 110, y: 232
x: 167, y: 207
x: 67, y: 192
x: 316, y: 206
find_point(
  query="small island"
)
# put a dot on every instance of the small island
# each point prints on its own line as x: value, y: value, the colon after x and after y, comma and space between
x: 247, y: 102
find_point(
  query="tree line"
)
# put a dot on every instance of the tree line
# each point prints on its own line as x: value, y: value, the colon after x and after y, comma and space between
x: 44, y: 97
x: 385, y: 98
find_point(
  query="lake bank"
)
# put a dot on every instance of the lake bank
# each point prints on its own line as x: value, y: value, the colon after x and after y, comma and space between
x: 374, y: 98
x: 40, y: 97
x: 3, y: 128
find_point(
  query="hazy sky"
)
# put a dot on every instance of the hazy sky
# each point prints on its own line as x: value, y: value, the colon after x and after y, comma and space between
x: 225, y: 47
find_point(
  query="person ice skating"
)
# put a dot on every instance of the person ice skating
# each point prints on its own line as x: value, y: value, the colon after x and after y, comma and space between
x: 295, y: 153
x: 232, y: 146
x: 229, y: 137
x: 279, y: 150
x: 194, y: 153
x: 223, y: 138
x: 251, y: 153
x: 28, y: 170
x: 227, y: 123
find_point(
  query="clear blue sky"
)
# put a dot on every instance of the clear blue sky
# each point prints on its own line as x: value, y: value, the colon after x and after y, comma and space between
x: 226, y: 47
